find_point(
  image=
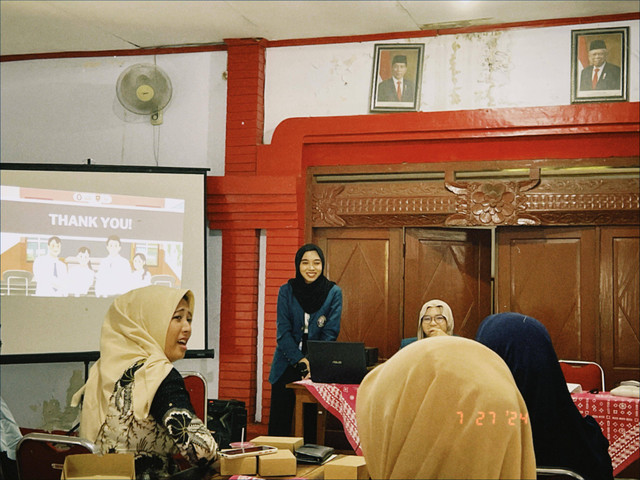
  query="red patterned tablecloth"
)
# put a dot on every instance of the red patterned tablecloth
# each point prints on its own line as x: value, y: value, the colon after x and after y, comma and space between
x: 619, y: 419
x: 340, y: 400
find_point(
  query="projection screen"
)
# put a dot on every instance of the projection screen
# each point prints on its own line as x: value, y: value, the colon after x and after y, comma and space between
x: 75, y: 237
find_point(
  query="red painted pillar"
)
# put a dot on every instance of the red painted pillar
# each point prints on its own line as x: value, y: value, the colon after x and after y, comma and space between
x: 240, y: 249
x: 245, y: 104
x: 238, y: 317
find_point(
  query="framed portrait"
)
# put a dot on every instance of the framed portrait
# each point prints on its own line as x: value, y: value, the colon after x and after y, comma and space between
x: 397, y: 77
x: 599, y: 59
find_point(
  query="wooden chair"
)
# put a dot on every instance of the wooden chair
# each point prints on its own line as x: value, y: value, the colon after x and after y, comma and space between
x: 196, y: 385
x: 545, y: 473
x: 589, y: 375
x: 40, y: 456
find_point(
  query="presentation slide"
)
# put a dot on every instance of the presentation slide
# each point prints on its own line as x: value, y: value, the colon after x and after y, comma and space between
x: 71, y: 241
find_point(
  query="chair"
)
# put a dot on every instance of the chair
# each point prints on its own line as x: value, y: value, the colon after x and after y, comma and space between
x: 40, y: 456
x: 196, y: 385
x: 545, y: 473
x: 589, y: 375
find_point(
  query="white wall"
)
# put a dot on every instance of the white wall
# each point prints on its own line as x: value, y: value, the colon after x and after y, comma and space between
x: 509, y: 68
x: 66, y: 110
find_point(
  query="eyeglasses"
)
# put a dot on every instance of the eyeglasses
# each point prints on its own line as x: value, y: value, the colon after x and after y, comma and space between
x: 437, y: 318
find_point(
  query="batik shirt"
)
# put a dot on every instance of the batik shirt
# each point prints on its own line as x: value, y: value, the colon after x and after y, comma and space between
x: 171, y: 428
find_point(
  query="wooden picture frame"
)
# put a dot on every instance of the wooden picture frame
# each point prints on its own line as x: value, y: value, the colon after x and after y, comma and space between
x: 385, y: 96
x: 608, y: 49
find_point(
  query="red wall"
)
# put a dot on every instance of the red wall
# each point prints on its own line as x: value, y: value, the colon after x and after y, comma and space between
x: 264, y: 185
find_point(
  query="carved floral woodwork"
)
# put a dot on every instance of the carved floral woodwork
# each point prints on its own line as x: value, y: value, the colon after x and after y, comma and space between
x: 491, y: 203
x: 486, y: 202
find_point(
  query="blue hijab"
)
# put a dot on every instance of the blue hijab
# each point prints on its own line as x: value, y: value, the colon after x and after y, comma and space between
x: 561, y: 436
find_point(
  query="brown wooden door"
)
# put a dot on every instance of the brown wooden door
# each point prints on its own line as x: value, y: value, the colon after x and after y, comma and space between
x: 451, y: 265
x: 550, y: 273
x: 366, y: 263
x: 620, y: 304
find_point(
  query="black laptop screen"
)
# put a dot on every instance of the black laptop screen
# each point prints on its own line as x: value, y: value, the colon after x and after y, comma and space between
x: 337, y: 362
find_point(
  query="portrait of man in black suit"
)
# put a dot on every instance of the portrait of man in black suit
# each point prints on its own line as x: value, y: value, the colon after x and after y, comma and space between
x: 600, y: 74
x: 397, y: 88
x: 599, y: 64
x: 396, y: 80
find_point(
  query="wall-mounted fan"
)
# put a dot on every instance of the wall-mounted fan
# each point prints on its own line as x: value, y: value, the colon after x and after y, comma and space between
x: 144, y: 89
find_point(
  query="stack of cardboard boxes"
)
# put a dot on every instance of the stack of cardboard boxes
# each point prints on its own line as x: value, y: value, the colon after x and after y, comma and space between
x: 283, y: 462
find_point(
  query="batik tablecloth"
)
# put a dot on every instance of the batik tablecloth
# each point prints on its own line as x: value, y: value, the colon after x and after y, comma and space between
x: 340, y: 400
x: 620, y: 422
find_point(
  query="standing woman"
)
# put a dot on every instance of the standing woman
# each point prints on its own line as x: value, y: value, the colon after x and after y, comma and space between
x: 309, y: 308
x: 135, y: 401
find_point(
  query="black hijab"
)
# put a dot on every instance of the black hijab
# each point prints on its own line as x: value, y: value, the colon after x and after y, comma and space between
x: 312, y: 295
x: 561, y: 436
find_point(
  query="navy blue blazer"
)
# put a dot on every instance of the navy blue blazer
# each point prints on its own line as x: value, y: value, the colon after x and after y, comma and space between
x: 323, y: 325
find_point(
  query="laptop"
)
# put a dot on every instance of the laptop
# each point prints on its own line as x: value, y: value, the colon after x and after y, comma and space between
x: 337, y: 362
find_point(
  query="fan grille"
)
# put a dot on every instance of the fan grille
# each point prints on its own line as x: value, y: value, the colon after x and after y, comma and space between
x: 144, y: 89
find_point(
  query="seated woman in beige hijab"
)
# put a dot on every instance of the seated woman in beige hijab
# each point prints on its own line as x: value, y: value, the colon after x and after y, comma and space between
x: 135, y: 401
x: 444, y: 408
x: 435, y: 319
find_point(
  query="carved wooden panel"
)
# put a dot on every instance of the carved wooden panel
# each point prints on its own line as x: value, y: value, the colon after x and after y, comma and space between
x: 535, y: 201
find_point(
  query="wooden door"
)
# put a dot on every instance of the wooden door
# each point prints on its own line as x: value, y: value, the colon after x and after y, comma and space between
x: 620, y: 303
x: 451, y: 265
x: 366, y: 264
x: 550, y: 273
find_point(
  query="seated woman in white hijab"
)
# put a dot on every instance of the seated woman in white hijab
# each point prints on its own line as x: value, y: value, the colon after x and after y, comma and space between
x: 135, y: 401
x: 435, y: 319
x: 444, y: 408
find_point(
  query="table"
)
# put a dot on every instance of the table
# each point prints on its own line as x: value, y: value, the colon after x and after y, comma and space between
x: 338, y: 399
x: 617, y: 416
x: 619, y: 419
x: 305, y: 396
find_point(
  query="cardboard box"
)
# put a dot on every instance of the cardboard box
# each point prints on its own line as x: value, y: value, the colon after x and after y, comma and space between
x: 112, y: 466
x: 281, y: 443
x: 347, y: 467
x: 282, y: 463
x: 239, y: 466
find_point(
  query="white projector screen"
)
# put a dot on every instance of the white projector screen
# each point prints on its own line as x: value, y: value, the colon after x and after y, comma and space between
x: 75, y: 237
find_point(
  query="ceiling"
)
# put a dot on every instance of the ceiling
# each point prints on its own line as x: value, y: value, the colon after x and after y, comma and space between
x: 33, y: 27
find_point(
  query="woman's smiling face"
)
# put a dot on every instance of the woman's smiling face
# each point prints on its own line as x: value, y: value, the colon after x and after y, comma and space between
x: 310, y: 266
